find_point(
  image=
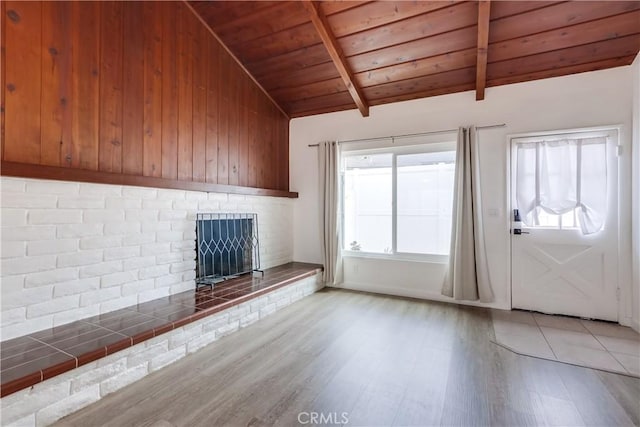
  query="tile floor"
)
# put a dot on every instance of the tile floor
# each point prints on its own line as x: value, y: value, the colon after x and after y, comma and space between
x: 593, y: 344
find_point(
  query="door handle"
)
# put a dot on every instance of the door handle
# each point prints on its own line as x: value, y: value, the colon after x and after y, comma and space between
x: 519, y: 231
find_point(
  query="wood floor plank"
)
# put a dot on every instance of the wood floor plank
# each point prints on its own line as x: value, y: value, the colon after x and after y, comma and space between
x: 380, y: 361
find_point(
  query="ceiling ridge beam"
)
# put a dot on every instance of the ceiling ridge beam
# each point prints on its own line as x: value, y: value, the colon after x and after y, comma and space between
x: 235, y: 58
x: 321, y: 24
x: 484, y: 15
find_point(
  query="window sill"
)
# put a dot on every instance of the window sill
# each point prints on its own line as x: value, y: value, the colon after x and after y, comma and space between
x: 426, y: 258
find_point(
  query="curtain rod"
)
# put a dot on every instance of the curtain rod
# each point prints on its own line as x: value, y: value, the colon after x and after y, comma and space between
x: 410, y: 135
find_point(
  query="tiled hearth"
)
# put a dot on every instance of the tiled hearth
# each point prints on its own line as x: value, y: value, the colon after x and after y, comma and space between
x: 42, y: 355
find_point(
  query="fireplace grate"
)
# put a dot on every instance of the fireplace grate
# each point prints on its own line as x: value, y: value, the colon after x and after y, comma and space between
x: 227, y: 246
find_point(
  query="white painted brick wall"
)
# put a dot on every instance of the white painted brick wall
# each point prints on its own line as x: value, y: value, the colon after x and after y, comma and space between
x: 63, y: 244
x: 48, y: 401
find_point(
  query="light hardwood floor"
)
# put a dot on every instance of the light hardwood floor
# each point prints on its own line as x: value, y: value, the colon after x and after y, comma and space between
x: 382, y: 360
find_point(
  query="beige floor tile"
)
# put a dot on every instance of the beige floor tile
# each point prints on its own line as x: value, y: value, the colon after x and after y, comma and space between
x: 559, y: 322
x: 599, y: 359
x: 578, y: 339
x: 514, y: 328
x: 529, y: 344
x: 513, y: 316
x: 620, y: 345
x: 610, y: 330
x: 630, y: 362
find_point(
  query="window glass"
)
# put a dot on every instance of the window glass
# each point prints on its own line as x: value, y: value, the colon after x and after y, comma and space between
x: 367, y: 203
x: 562, y: 183
x: 425, y: 201
x: 424, y: 197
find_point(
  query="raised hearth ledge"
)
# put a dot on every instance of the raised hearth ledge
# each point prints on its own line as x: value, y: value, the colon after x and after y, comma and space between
x: 26, y: 170
x: 36, y: 357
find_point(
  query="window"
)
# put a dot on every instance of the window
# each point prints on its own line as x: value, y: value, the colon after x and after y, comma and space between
x: 399, y: 201
x: 561, y: 181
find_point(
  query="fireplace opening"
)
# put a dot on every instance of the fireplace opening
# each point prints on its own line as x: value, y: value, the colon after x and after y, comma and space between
x: 227, y: 246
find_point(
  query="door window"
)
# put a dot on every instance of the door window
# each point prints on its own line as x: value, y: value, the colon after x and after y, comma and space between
x: 562, y: 183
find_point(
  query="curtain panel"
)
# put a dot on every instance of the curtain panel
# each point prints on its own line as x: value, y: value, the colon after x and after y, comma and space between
x: 468, y: 275
x: 329, y: 205
x: 558, y: 176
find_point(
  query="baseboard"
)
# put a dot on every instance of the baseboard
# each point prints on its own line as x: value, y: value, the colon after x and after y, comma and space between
x: 635, y: 325
x: 415, y: 293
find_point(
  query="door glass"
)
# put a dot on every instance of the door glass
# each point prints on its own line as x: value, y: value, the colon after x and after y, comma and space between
x: 562, y: 183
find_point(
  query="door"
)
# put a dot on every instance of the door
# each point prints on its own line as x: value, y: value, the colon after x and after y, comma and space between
x: 565, y: 224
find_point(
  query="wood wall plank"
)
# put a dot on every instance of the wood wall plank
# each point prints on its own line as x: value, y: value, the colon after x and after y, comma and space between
x: 140, y: 89
x: 285, y: 156
x: 261, y: 144
x: 23, y: 21
x: 234, y: 124
x: 185, y: 95
x: 169, y: 93
x: 213, y: 95
x: 3, y: 69
x: 86, y: 84
x: 200, y: 64
x: 253, y: 159
x: 224, y: 67
x: 55, y: 120
x: 111, y: 81
x: 243, y: 136
x: 152, y: 143
x: 133, y: 89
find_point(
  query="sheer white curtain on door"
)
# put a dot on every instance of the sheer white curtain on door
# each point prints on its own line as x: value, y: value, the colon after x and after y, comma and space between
x: 468, y: 276
x: 558, y: 176
x: 329, y: 203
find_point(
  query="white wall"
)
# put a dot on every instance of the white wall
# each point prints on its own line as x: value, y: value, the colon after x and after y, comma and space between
x: 636, y: 194
x: 588, y: 99
x: 74, y: 250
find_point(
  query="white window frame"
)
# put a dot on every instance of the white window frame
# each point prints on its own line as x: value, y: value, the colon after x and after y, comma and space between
x: 363, y: 149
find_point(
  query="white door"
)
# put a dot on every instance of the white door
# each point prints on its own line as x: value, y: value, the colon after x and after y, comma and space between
x: 564, y: 258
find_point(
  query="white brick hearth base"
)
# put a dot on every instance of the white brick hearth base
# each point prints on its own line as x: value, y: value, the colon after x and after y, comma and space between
x: 48, y: 401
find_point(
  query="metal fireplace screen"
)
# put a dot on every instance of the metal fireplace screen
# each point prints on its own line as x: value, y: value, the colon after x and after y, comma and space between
x: 227, y: 245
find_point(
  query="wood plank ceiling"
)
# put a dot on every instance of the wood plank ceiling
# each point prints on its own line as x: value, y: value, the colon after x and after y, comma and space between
x: 318, y: 57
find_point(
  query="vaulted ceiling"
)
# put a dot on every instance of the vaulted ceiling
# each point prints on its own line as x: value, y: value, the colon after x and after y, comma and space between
x: 317, y: 57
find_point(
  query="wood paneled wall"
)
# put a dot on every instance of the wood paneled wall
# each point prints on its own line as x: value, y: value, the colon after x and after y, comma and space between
x: 134, y: 88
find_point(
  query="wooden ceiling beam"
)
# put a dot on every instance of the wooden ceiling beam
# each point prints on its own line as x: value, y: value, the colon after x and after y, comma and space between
x: 484, y: 14
x: 321, y: 24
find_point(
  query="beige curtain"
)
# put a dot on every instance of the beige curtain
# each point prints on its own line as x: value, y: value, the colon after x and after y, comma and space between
x: 329, y: 203
x: 468, y: 276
